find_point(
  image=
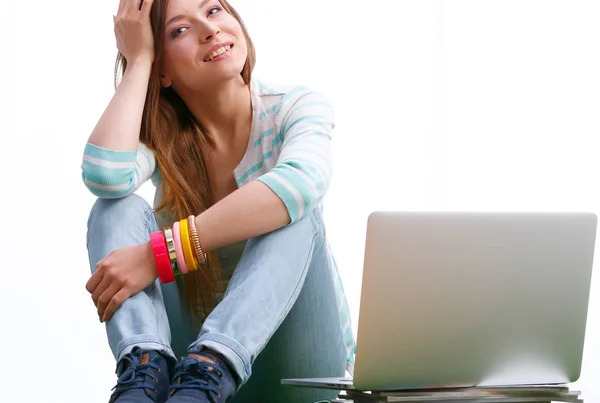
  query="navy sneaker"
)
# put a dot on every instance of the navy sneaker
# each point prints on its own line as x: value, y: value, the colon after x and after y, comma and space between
x: 202, y: 378
x: 143, y: 377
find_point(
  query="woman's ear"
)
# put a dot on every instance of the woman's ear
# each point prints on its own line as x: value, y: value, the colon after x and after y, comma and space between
x: 165, y: 81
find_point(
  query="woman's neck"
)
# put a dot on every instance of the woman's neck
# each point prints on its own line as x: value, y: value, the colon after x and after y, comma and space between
x: 225, y: 112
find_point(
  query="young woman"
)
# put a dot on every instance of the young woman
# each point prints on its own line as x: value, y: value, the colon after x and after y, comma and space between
x: 234, y: 275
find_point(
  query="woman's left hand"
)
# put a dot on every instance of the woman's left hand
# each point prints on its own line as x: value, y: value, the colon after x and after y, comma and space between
x: 120, y: 275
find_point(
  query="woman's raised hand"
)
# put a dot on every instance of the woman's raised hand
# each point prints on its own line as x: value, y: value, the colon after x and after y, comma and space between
x: 133, y: 30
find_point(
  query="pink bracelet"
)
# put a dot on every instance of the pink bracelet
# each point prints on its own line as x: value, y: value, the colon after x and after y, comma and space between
x: 161, y: 255
x: 179, y: 249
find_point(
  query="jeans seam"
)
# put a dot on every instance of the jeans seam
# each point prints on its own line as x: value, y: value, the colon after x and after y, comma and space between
x: 149, y: 214
x: 244, y: 252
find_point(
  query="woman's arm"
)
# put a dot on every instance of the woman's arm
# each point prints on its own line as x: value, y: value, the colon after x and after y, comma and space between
x: 252, y: 210
x: 119, y: 126
x: 115, y: 164
x: 291, y: 190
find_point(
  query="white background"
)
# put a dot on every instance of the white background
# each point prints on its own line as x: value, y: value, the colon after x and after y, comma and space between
x: 457, y: 105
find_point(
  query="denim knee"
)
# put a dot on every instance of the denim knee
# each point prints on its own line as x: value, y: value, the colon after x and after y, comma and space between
x: 128, y: 215
x: 124, y: 209
x: 312, y: 222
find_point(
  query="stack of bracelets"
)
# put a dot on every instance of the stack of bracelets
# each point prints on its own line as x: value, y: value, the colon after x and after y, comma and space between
x: 177, y: 250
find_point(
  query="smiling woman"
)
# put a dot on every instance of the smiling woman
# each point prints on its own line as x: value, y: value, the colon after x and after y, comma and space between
x: 235, y: 272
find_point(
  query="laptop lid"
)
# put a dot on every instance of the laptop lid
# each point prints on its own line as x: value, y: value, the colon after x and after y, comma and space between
x: 462, y: 299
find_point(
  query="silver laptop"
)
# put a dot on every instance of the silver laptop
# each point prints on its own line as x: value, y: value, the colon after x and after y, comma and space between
x: 471, y: 299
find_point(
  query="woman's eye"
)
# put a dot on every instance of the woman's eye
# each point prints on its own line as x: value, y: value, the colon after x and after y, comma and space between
x: 214, y: 10
x: 178, y: 31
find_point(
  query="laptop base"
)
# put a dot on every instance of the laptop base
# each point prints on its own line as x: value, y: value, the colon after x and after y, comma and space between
x: 500, y: 394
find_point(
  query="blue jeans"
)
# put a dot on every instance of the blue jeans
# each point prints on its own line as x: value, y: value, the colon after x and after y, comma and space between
x: 277, y: 319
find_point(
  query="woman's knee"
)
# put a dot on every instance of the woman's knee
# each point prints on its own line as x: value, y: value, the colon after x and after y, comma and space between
x: 295, y: 244
x: 132, y: 207
x: 305, y: 229
x: 119, y: 217
x: 313, y: 221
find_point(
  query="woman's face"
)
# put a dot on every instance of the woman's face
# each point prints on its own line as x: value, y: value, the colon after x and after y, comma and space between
x: 203, y: 45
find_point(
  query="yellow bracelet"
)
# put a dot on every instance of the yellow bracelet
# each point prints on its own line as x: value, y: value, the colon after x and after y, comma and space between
x: 190, y: 260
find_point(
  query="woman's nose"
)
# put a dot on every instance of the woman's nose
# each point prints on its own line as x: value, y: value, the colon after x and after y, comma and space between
x: 210, y: 32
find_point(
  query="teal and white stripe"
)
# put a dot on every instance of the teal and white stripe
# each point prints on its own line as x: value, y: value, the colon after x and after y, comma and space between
x: 113, y: 174
x: 303, y: 122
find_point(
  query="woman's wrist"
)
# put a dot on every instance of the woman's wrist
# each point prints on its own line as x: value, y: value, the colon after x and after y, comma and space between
x: 177, y: 250
x: 151, y: 259
x: 140, y: 66
x: 161, y: 257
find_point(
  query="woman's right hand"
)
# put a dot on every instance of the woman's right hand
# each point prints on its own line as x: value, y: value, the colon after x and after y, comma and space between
x: 133, y: 30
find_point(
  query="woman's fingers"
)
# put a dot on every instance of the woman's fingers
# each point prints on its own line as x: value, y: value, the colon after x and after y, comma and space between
x: 115, y: 303
x: 95, y: 280
x: 133, y: 31
x: 123, y: 273
x: 104, y: 284
x: 122, y: 5
x: 146, y: 7
x: 106, y: 297
x: 133, y: 6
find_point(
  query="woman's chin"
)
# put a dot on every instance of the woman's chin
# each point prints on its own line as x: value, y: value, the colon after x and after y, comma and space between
x: 226, y: 75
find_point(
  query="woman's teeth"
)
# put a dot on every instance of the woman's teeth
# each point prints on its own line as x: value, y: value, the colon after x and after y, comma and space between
x: 218, y: 52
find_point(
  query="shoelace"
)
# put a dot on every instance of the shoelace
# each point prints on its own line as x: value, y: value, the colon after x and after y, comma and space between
x: 134, y: 377
x: 194, y: 374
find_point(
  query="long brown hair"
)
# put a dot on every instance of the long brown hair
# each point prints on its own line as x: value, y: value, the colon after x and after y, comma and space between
x: 180, y: 146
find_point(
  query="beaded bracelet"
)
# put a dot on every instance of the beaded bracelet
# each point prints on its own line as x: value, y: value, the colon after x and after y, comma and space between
x: 200, y: 255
